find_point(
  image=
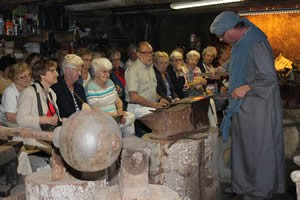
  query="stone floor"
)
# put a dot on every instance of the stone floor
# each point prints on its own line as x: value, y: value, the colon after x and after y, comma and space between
x: 290, y: 193
x: 18, y: 193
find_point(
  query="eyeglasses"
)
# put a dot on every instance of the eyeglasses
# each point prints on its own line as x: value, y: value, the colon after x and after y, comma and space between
x: 148, y: 53
x: 25, y: 76
x: 87, y: 60
x: 177, y: 59
x: 116, y: 59
x: 105, y: 71
x: 52, y: 70
x: 163, y: 63
x: 76, y: 69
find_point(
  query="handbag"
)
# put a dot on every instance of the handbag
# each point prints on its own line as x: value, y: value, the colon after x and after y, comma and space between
x: 44, y: 127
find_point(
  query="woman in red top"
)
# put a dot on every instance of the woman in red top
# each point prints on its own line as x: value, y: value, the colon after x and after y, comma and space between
x: 118, y: 75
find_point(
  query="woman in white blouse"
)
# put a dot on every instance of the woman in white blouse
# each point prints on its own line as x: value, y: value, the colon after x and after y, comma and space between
x: 20, y: 74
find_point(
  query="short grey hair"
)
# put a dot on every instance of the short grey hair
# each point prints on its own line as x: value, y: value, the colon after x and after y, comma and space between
x: 210, y: 49
x: 192, y: 53
x: 71, y: 61
x: 175, y: 54
x: 100, y: 64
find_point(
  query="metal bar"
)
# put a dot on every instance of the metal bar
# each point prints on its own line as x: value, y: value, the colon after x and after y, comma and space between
x: 26, y: 133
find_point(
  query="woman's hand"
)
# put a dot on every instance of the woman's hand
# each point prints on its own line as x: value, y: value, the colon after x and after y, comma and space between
x: 123, y: 118
x: 186, y: 87
x: 49, y: 120
x: 121, y: 112
x: 119, y: 90
x: 200, y: 80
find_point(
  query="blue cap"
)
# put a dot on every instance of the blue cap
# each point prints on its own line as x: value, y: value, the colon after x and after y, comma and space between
x: 223, y: 22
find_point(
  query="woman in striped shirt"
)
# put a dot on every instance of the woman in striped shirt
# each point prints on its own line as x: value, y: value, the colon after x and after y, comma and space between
x: 102, y: 95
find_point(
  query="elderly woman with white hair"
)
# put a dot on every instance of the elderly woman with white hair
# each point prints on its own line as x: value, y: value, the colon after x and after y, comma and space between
x: 70, y: 94
x: 192, y: 60
x: 164, y: 87
x: 199, y: 83
x: 196, y: 81
x: 102, y: 95
x: 208, y: 55
x: 177, y: 71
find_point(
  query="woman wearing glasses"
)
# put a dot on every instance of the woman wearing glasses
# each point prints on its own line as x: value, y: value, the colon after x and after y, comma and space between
x: 20, y: 74
x: 38, y: 110
x: 102, y: 95
x: 164, y: 87
x: 29, y: 114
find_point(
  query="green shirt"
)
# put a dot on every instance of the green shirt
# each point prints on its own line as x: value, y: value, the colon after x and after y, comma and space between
x: 141, y: 79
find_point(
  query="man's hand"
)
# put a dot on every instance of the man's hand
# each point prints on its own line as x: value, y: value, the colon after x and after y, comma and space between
x: 240, y: 92
x: 162, y: 103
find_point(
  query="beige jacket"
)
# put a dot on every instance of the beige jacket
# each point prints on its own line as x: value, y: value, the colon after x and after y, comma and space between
x: 28, y: 114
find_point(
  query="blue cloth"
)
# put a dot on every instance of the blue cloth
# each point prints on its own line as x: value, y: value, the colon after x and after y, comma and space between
x: 223, y: 22
x: 237, y: 70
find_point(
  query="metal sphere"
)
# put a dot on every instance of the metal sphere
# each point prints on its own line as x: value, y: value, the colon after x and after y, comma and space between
x: 90, y: 141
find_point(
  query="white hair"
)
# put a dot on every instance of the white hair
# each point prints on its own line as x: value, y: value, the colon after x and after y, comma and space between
x: 71, y: 61
x: 210, y: 49
x: 100, y: 64
x: 175, y: 54
x: 192, y: 53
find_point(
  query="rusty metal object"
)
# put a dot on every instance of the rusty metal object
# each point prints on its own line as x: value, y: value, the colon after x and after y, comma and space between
x: 25, y: 133
x: 90, y: 141
x: 187, y: 115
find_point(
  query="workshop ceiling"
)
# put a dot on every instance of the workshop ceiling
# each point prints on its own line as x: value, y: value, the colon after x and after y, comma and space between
x: 85, y: 5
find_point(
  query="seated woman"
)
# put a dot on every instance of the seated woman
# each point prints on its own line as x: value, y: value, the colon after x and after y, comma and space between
x: 70, y: 94
x: 102, y: 95
x: 20, y: 74
x: 118, y: 76
x: 38, y: 110
x: 86, y: 70
x: 223, y: 57
x: 206, y: 65
x: 199, y: 84
x: 196, y: 82
x: 177, y: 73
x: 164, y: 86
x: 208, y: 55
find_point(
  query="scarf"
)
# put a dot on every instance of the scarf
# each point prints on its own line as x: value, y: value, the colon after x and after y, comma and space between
x: 237, y: 71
